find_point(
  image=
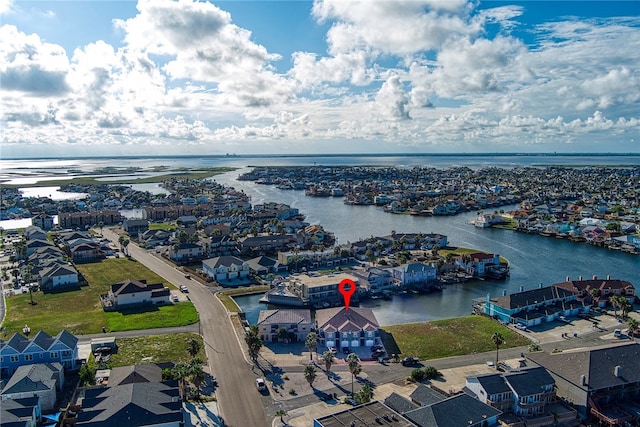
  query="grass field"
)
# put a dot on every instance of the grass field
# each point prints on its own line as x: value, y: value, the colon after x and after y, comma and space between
x: 162, y: 226
x: 449, y: 337
x: 79, y: 310
x: 155, y: 349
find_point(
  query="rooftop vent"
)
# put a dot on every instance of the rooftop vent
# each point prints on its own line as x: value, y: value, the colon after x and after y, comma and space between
x: 616, y: 371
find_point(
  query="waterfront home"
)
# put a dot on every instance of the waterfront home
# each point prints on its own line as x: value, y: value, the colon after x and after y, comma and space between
x: 86, y: 219
x: 480, y: 264
x: 601, y: 382
x: 322, y: 290
x: 223, y: 218
x: 312, y: 258
x: 21, y: 412
x: 534, y: 306
x: 414, y: 273
x: 262, y: 265
x: 133, y: 227
x: 261, y: 245
x: 339, y: 327
x: 42, y: 380
x: 370, y: 413
x: 136, y: 404
x: 42, y: 221
x: 225, y: 268
x: 604, y: 289
x: 284, y: 325
x: 42, y: 348
x: 183, y: 253
x: 219, y: 245
x: 135, y: 293
x: 527, y: 393
x: 376, y: 280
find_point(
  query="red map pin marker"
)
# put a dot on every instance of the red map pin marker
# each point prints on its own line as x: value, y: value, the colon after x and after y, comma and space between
x: 346, y: 293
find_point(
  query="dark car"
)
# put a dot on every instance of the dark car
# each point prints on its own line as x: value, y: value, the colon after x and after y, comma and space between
x: 377, y: 353
x: 409, y: 361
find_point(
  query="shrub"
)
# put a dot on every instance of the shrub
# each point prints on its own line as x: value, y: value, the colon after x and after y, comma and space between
x: 292, y: 391
x: 430, y: 372
x: 417, y: 374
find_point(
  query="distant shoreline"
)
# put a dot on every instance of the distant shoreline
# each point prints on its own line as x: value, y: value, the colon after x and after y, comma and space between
x: 302, y: 155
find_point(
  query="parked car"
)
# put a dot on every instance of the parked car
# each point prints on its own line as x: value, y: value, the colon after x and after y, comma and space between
x: 409, y: 361
x: 260, y: 384
x: 617, y: 333
x: 174, y: 298
x: 564, y: 319
x: 377, y: 353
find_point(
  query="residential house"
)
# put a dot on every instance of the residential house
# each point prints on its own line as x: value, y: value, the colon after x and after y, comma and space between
x: 135, y: 292
x: 375, y: 280
x: 220, y: 245
x: 145, y: 373
x: 187, y: 220
x: 135, y: 226
x: 42, y: 348
x: 58, y: 276
x: 153, y: 238
x: 297, y: 324
x: 321, y: 290
x: 261, y: 245
x: 33, y: 245
x: 149, y: 404
x: 534, y: 306
x: 225, y: 268
x: 186, y: 252
x: 602, y: 382
x: 339, y: 327
x: 456, y: 411
x: 527, y: 393
x: 368, y: 414
x: 23, y: 412
x: 43, y: 380
x: 43, y: 221
x: 34, y: 232
x: 263, y: 265
x: 479, y: 263
x: 604, y: 289
x: 86, y: 219
x: 413, y: 274
x: 86, y: 252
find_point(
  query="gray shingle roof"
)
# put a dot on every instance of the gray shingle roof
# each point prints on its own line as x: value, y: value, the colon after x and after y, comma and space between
x: 16, y: 412
x: 135, y: 374
x: 493, y: 384
x: 426, y: 396
x: 30, y: 378
x: 399, y: 404
x: 222, y: 261
x: 530, y: 381
x: 284, y: 316
x: 461, y: 410
x: 532, y: 296
x: 138, y: 404
x: 596, y: 364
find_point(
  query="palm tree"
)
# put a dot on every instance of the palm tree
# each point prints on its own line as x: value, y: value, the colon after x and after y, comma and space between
x: 625, y: 306
x: 281, y: 413
x: 254, y: 342
x: 121, y: 240
x: 328, y: 358
x: 354, y: 367
x: 311, y: 342
x: 196, y: 373
x: 498, y: 340
x: 634, y: 325
x: 310, y: 374
x: 101, y: 226
x: 595, y: 294
x: 193, y: 347
x: 282, y: 334
x: 616, y: 303
x: 125, y: 243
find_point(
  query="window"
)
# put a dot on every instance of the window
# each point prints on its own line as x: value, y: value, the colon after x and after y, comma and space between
x: 54, y: 355
x: 28, y: 357
x: 14, y: 358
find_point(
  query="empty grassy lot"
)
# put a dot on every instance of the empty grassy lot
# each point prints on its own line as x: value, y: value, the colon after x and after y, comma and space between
x: 155, y: 349
x: 79, y: 310
x: 448, y: 337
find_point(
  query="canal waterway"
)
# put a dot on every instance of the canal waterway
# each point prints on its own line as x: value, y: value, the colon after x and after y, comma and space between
x: 534, y: 259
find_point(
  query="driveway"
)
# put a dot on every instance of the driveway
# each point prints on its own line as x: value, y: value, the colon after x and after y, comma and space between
x: 239, y: 402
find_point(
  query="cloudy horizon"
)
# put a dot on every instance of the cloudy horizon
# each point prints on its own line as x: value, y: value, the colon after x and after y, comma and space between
x: 331, y: 76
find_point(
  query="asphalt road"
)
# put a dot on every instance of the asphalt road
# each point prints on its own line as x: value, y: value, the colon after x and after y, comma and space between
x: 238, y: 399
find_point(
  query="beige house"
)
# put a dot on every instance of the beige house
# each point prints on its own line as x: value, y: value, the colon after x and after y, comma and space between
x: 135, y: 292
x: 297, y: 324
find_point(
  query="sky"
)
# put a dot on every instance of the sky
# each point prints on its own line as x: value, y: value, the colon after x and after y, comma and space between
x: 163, y: 77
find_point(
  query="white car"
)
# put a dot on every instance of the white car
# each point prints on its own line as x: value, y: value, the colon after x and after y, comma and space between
x: 183, y: 288
x: 174, y: 298
x: 260, y: 384
x: 521, y: 326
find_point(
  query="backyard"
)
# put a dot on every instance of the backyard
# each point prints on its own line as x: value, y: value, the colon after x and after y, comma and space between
x: 79, y: 311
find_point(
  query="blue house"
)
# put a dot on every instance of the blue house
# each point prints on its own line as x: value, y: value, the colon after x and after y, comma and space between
x: 43, y: 348
x: 534, y: 306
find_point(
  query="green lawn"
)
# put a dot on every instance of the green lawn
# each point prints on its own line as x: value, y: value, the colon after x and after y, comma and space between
x: 79, y: 311
x: 162, y: 226
x: 449, y: 337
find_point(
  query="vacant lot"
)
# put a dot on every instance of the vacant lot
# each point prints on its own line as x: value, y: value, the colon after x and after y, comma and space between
x: 449, y: 337
x: 79, y: 310
x: 155, y: 349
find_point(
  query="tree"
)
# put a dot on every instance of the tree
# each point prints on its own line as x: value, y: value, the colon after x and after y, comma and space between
x: 595, y: 295
x: 498, y: 340
x: 364, y: 395
x: 282, y: 334
x: 634, y: 325
x: 625, y: 306
x: 121, y: 240
x: 254, y: 342
x: 370, y: 256
x: 125, y: 243
x: 354, y: 367
x: 281, y: 413
x: 87, y: 375
x: 101, y: 226
x: 196, y: 373
x: 328, y: 358
x: 616, y: 302
x: 193, y: 347
x: 311, y: 342
x: 310, y: 374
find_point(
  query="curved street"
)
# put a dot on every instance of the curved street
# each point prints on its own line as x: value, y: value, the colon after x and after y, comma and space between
x: 239, y: 401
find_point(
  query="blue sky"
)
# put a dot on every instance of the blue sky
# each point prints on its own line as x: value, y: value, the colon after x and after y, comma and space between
x: 329, y: 76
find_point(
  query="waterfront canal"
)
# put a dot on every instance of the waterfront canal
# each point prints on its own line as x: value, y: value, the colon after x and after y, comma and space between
x: 534, y: 259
